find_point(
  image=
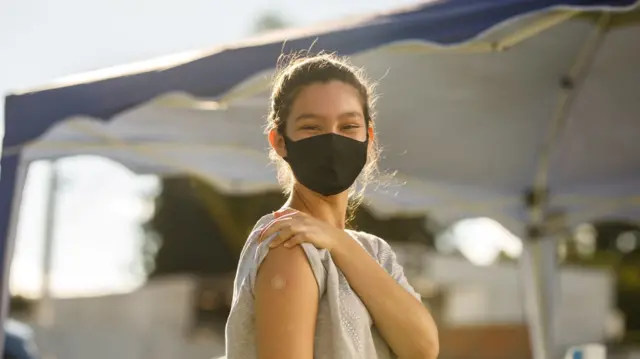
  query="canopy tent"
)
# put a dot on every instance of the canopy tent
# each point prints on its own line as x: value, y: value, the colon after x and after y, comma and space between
x: 467, y: 124
x: 224, y: 146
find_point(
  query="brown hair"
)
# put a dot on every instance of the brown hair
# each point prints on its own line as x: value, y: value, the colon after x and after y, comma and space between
x: 297, y: 72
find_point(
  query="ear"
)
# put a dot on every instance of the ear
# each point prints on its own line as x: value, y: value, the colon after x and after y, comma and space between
x: 277, y: 143
x: 372, y: 134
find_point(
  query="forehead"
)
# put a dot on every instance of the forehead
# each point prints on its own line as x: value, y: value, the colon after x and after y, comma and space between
x: 327, y: 99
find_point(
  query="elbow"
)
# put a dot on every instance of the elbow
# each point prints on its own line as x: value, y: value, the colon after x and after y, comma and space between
x: 428, y: 349
x: 433, y: 349
x: 430, y: 352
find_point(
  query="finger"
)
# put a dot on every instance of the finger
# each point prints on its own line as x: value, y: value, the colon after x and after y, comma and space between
x: 276, y: 226
x: 272, y: 228
x: 294, y: 240
x: 282, y: 236
x: 274, y: 221
x: 264, y: 229
x: 284, y: 212
x: 287, y: 215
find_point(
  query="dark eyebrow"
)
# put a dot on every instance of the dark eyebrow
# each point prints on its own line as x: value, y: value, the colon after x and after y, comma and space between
x: 352, y: 114
x: 311, y: 116
x: 307, y: 116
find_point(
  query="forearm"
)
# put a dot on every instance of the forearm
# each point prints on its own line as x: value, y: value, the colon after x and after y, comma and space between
x: 404, y: 322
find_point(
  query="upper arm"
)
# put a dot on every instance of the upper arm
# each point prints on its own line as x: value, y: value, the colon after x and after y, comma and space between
x: 286, y: 305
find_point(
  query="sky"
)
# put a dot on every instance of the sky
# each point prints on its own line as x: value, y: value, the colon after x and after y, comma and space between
x: 41, y: 40
x: 97, y: 232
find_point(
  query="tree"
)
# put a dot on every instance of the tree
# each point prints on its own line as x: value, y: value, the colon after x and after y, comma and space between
x: 196, y: 229
x: 270, y: 21
x: 617, y: 248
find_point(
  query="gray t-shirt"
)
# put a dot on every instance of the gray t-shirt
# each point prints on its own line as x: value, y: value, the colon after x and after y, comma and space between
x: 344, y: 328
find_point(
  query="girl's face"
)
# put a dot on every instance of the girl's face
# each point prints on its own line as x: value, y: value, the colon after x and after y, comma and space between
x: 320, y: 108
x: 331, y: 107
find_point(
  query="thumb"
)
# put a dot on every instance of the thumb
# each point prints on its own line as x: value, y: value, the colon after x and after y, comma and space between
x: 284, y: 212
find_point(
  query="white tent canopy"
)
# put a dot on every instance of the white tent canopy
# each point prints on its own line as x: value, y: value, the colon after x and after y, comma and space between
x: 447, y: 163
x: 226, y: 146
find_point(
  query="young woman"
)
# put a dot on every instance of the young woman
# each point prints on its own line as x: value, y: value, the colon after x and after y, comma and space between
x: 306, y: 287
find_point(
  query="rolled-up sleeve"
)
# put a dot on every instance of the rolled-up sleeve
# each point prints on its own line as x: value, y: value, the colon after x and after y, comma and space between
x: 313, y: 256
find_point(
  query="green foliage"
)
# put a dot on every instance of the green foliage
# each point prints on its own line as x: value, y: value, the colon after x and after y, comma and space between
x: 269, y: 21
x: 197, y: 229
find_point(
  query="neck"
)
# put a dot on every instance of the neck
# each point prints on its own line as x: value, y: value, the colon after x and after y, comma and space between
x: 332, y: 210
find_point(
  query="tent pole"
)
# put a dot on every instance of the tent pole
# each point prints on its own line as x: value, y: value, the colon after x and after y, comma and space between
x: 539, y: 276
x: 539, y: 256
x: 21, y: 173
x: 46, y: 313
x: 532, y: 306
x: 550, y: 275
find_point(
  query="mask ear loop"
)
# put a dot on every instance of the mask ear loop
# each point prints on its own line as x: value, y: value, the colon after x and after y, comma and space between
x: 367, y: 125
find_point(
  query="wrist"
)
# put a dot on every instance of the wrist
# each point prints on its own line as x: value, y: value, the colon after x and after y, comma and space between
x: 342, y: 245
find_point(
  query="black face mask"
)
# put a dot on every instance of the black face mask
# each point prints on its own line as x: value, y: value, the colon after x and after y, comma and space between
x: 327, y: 164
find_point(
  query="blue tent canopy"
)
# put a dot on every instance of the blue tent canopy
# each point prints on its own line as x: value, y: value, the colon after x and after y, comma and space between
x: 212, y: 74
x: 30, y: 114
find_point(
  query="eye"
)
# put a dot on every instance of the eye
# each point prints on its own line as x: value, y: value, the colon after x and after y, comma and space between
x: 309, y: 127
x: 351, y: 126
